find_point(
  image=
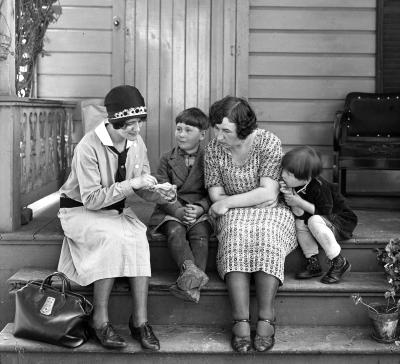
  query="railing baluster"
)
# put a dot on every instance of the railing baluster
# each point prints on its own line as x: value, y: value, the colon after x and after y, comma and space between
x: 38, y: 133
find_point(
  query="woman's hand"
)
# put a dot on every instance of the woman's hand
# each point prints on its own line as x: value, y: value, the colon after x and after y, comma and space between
x: 218, y: 209
x: 167, y: 191
x: 143, y: 181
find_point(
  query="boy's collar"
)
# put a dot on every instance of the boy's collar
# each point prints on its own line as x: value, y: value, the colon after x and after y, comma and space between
x: 183, y: 152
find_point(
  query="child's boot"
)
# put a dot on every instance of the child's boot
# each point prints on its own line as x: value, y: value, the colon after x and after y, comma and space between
x: 339, y: 266
x: 191, y: 277
x: 191, y: 295
x: 313, y: 269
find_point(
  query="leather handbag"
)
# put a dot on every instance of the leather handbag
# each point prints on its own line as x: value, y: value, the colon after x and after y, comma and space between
x: 53, y: 315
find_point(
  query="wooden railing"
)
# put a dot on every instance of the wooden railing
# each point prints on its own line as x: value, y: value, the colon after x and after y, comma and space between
x: 35, y: 153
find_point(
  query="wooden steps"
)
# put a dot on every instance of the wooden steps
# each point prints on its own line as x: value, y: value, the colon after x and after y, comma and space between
x: 209, y: 344
x: 317, y: 323
x: 308, y: 302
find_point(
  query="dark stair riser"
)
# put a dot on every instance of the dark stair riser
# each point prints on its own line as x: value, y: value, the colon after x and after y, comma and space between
x: 45, y: 253
x: 214, y: 309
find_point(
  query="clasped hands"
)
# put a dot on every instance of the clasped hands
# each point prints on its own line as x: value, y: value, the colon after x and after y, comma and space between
x: 189, y: 213
x: 147, y: 181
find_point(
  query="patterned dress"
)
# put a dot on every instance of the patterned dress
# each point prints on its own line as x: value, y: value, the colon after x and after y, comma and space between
x: 250, y: 239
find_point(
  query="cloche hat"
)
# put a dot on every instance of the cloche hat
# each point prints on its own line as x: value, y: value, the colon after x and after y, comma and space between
x: 123, y: 103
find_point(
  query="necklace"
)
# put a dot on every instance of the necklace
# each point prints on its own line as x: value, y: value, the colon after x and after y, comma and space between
x: 303, y: 189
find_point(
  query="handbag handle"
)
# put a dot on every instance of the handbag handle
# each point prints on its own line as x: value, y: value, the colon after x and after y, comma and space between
x: 64, y: 281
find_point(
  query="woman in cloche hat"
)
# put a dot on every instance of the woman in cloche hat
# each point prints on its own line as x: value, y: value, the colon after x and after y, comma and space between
x: 103, y: 238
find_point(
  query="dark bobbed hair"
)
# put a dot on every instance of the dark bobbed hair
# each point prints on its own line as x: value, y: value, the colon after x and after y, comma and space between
x: 193, y: 117
x: 238, y: 111
x: 304, y: 162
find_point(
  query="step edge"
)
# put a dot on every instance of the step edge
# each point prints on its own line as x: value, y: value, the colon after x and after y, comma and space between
x: 220, y: 338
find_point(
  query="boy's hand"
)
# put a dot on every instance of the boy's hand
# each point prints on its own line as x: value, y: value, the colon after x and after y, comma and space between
x: 180, y: 213
x: 193, y: 211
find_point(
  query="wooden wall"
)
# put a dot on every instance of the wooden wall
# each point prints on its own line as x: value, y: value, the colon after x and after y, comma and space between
x: 304, y: 57
x: 79, y: 47
x: 295, y: 60
x: 181, y: 54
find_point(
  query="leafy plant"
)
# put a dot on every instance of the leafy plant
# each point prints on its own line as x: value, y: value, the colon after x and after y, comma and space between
x: 32, y: 20
x: 389, y: 258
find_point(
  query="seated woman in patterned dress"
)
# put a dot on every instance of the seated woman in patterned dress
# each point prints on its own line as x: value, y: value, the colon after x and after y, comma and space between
x: 255, y: 231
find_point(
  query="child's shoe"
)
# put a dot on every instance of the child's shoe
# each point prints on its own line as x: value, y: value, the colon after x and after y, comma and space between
x: 191, y: 295
x: 191, y: 277
x: 339, y: 266
x: 313, y: 269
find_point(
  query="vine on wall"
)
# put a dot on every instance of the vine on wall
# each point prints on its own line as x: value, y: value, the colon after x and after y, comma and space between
x: 32, y: 20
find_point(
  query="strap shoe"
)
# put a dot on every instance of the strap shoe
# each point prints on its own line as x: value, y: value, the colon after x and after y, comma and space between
x: 241, y: 344
x: 264, y: 343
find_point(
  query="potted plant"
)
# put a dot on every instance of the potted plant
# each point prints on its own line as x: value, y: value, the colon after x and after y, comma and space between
x: 385, y: 316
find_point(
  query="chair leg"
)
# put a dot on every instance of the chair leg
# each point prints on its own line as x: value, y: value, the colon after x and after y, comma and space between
x: 335, y: 170
x: 342, y: 183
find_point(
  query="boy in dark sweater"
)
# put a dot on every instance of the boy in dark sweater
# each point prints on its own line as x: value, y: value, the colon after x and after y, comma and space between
x: 322, y: 215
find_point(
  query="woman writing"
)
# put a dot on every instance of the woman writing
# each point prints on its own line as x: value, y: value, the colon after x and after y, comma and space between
x: 255, y: 232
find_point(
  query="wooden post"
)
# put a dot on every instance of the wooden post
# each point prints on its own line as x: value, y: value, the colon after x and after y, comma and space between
x: 7, y: 66
x: 10, y: 206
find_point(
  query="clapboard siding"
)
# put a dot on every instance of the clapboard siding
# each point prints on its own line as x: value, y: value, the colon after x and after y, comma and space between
x: 76, y: 86
x: 313, y: 19
x: 95, y: 18
x: 312, y: 42
x: 307, y: 88
x: 304, y: 57
x: 312, y: 65
x: 308, y: 133
x: 359, y: 4
x: 296, y: 110
x: 67, y: 64
x: 78, y: 61
x: 87, y: 3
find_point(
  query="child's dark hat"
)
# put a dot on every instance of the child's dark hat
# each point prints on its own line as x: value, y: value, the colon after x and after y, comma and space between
x: 123, y: 103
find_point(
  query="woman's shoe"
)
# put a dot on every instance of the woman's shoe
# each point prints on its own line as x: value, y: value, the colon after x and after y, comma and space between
x: 240, y: 344
x: 264, y: 343
x: 144, y: 334
x: 107, y: 336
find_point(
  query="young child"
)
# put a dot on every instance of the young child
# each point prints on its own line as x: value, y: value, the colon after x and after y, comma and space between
x: 186, y: 221
x: 322, y: 215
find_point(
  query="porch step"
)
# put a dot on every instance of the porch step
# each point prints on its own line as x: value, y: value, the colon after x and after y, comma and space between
x: 44, y: 236
x: 306, y: 302
x: 211, y: 344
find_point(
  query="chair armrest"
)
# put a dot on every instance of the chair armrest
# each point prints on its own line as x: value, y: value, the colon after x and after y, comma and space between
x: 337, y: 132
